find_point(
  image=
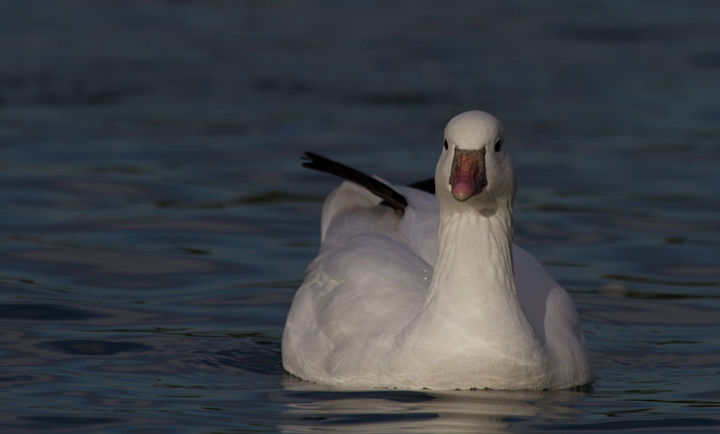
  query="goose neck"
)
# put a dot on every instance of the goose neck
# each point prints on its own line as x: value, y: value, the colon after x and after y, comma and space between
x: 473, y: 245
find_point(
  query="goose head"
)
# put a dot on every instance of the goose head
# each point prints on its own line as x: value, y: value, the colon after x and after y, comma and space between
x: 475, y: 171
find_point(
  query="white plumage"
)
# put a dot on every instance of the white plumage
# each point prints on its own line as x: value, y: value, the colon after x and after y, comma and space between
x: 436, y: 297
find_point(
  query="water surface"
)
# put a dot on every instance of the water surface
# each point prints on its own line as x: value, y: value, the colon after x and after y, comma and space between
x: 155, y: 221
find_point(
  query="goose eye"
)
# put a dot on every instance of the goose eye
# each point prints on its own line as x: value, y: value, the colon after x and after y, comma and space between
x: 445, y: 144
x: 498, y: 144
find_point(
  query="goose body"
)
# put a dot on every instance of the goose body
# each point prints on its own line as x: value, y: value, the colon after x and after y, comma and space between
x: 433, y: 293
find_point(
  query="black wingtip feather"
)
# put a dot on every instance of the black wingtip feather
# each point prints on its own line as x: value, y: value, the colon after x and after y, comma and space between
x: 427, y: 185
x: 391, y: 197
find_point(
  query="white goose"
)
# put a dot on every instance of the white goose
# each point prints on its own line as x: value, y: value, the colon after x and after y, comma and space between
x: 426, y: 295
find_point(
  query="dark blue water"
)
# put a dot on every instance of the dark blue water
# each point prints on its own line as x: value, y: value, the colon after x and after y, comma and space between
x: 155, y: 221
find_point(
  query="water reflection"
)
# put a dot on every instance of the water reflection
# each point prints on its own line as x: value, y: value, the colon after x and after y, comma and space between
x: 313, y: 408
